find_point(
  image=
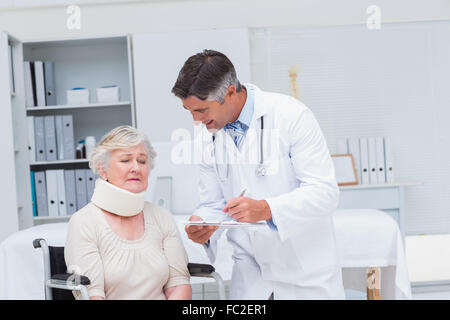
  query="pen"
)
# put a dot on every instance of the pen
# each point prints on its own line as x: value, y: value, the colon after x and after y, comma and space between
x: 241, y: 195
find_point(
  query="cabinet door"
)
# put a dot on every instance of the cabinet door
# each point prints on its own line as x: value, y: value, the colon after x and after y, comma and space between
x: 157, y: 60
x: 9, y: 213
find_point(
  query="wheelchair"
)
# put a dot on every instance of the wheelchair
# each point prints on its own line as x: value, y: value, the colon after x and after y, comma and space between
x: 59, y: 284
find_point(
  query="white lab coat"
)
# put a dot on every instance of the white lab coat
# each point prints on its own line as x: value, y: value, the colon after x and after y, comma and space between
x: 298, y: 260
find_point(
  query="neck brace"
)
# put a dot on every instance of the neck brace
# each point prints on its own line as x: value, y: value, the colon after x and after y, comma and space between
x: 116, y: 200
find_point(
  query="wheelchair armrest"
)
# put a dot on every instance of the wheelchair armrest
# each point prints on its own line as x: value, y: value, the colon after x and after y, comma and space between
x: 83, y: 280
x: 199, y: 268
x: 37, y: 243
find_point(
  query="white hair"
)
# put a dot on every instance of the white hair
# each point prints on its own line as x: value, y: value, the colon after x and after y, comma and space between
x: 118, y: 138
x: 228, y: 80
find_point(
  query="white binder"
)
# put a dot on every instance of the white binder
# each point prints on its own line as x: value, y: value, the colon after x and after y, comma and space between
x: 71, y: 193
x: 61, y: 192
x: 39, y: 138
x: 50, y: 138
x: 365, y: 176
x: 90, y: 184
x: 69, y: 145
x: 31, y: 145
x: 59, y: 137
x: 41, y: 193
x: 341, y: 146
x: 29, y: 95
x: 389, y: 164
x: 372, y: 160
x: 80, y: 186
x: 40, y: 83
x: 353, y: 148
x: 379, y: 146
x: 52, y: 192
x: 50, y: 93
x: 163, y: 192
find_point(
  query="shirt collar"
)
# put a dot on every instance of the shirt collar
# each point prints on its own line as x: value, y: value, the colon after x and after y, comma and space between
x: 246, y: 114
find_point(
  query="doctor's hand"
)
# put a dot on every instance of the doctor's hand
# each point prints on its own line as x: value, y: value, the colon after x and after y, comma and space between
x: 244, y: 209
x: 199, y: 234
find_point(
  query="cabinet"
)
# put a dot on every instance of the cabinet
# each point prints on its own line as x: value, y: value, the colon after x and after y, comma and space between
x: 389, y: 198
x: 88, y: 63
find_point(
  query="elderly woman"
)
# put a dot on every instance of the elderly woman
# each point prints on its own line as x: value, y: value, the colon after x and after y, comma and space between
x: 129, y: 248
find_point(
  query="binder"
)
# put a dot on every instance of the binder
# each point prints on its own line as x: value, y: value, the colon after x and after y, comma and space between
x: 50, y: 138
x: 33, y: 83
x: 40, y: 83
x: 365, y: 178
x: 90, y: 183
x: 379, y: 146
x: 33, y: 193
x: 163, y: 192
x: 41, y: 193
x: 69, y: 145
x: 372, y: 160
x: 49, y: 78
x: 62, y: 211
x: 342, y: 146
x: 389, y: 163
x: 52, y: 192
x: 59, y: 137
x: 80, y: 186
x: 29, y: 95
x: 31, y: 144
x: 71, y: 193
x: 353, y: 148
x: 39, y: 138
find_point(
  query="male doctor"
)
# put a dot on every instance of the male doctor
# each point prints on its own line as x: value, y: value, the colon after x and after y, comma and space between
x: 274, y: 167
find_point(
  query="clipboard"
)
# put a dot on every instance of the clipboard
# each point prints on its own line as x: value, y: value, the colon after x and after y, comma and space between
x: 223, y: 224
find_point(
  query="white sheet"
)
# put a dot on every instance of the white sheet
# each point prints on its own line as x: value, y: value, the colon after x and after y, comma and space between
x: 365, y: 238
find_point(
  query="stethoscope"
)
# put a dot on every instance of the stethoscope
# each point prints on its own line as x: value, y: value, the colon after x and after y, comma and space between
x: 260, y: 168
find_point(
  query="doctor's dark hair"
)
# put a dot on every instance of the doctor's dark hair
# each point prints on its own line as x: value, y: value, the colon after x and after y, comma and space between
x: 206, y: 76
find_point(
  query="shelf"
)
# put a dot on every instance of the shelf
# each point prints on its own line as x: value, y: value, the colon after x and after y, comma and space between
x: 52, y: 218
x: 385, y: 185
x: 91, y: 105
x: 48, y: 163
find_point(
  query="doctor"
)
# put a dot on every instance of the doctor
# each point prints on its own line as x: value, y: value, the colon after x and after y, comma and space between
x: 271, y: 164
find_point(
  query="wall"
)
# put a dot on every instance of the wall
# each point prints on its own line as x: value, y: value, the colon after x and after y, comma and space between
x: 157, y: 16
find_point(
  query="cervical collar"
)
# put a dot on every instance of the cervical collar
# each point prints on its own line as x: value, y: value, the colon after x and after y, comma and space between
x: 116, y: 200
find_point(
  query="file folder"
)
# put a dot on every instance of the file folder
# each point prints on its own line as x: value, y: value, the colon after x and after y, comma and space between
x: 50, y: 99
x: 365, y: 176
x: 353, y: 148
x: 39, y: 138
x: 52, y: 192
x: 389, y: 163
x: 71, y: 193
x: 33, y: 193
x: 40, y: 83
x: 69, y: 144
x: 62, y: 211
x: 80, y: 185
x: 90, y: 183
x: 41, y: 193
x: 50, y: 138
x: 31, y: 144
x: 33, y: 83
x: 29, y: 95
x: 59, y: 137
x: 342, y: 146
x: 379, y: 146
x: 372, y: 160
